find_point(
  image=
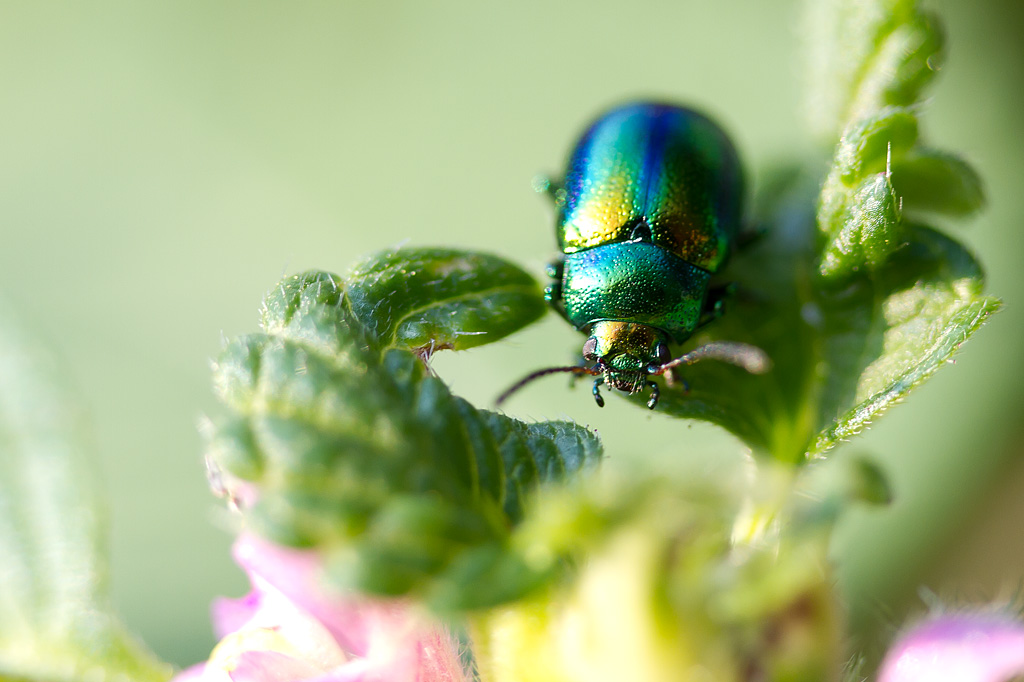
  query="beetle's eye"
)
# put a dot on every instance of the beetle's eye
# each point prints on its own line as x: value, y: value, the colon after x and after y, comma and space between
x: 662, y: 354
x: 590, y: 349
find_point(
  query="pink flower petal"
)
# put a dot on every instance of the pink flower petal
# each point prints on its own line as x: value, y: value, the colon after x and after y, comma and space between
x: 292, y: 627
x: 272, y: 666
x: 229, y: 615
x: 958, y: 648
x: 191, y: 674
x: 297, y: 575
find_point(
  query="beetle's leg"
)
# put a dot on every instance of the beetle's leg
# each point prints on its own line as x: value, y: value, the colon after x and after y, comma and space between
x: 555, y: 270
x: 751, y: 235
x: 555, y: 189
x: 553, y: 291
x: 597, y: 391
x: 714, y: 304
x: 553, y: 294
x: 655, y: 394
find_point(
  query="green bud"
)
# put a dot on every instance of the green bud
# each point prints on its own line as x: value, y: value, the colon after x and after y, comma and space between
x: 870, y: 231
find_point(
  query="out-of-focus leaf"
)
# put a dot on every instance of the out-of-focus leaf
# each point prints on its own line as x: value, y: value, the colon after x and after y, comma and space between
x: 55, y: 617
x: 865, y: 56
x: 664, y: 589
x: 355, y: 448
x: 905, y: 61
x: 936, y: 182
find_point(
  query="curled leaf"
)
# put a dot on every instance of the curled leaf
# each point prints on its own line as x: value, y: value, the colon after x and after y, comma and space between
x: 431, y: 299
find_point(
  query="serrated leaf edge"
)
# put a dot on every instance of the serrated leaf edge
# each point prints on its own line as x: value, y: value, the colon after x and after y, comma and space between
x: 859, y: 417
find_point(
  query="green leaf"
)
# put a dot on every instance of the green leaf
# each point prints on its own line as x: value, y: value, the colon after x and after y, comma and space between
x: 354, y: 446
x: 929, y: 181
x: 932, y: 302
x: 55, y: 616
x: 868, y: 143
x: 432, y: 299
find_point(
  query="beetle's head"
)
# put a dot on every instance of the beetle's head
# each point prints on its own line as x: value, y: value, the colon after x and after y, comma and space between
x: 626, y: 352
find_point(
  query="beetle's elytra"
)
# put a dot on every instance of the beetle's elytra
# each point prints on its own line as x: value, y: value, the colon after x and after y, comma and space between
x: 649, y: 210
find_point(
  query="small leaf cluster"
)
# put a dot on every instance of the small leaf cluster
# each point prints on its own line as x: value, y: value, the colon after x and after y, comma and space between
x: 858, y: 300
x: 353, y: 444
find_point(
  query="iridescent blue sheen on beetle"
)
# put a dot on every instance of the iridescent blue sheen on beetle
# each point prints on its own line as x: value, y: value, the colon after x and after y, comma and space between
x: 650, y: 209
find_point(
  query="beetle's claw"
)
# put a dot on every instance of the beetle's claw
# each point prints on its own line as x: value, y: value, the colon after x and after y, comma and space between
x: 655, y: 394
x: 598, y: 398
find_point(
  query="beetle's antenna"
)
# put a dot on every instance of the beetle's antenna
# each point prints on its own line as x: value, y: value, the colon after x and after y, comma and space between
x: 573, y: 369
x: 750, y: 358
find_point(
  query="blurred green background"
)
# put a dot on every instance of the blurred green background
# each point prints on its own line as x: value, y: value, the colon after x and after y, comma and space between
x: 164, y: 163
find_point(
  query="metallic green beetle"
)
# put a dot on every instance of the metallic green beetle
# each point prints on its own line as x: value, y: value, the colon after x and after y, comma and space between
x: 649, y: 211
